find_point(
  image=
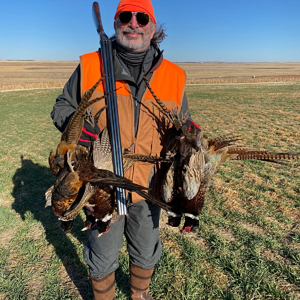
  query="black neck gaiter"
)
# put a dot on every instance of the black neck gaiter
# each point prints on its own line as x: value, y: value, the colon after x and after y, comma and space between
x: 132, y: 60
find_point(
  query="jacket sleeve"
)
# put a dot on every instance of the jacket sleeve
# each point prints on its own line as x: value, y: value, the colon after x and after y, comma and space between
x: 185, y: 106
x: 67, y: 102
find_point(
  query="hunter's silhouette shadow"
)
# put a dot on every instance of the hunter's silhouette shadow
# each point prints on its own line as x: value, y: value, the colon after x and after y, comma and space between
x: 31, y: 181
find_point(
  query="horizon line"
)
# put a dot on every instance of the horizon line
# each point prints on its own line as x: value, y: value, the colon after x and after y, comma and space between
x: 192, y: 62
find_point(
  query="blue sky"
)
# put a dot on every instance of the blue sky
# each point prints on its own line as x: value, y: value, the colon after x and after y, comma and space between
x: 200, y: 30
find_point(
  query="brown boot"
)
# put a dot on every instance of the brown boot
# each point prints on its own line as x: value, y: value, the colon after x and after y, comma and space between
x: 104, y: 288
x: 139, y: 283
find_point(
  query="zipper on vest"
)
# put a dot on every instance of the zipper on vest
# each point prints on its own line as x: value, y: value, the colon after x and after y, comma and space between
x: 136, y: 113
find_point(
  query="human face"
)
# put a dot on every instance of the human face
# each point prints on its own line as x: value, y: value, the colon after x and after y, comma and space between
x: 133, y: 36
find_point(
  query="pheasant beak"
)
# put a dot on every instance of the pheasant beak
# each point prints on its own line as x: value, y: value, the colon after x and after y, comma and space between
x: 100, y: 234
x: 86, y: 228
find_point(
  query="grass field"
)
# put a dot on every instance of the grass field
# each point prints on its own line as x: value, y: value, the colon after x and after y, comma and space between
x: 248, y: 246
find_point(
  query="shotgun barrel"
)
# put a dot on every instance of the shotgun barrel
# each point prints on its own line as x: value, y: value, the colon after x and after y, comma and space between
x: 112, y: 108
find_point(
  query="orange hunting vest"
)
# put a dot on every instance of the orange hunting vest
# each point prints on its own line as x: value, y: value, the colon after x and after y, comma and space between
x: 168, y: 83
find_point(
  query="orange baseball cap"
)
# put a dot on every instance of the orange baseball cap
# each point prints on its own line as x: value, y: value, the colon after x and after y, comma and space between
x: 136, y: 5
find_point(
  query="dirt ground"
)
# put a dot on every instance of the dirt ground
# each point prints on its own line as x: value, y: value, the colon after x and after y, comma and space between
x: 51, y: 74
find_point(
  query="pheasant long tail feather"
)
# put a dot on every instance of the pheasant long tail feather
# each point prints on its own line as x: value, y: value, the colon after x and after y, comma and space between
x: 106, y: 177
x: 223, y: 141
x: 146, y: 158
x: 75, y: 126
x: 164, y: 109
x: 73, y: 129
x: 264, y: 155
x: 154, y: 200
x: 97, y: 115
x: 130, y: 159
x: 118, y: 182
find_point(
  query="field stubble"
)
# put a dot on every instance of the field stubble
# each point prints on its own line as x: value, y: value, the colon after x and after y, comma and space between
x: 49, y: 74
x: 248, y: 246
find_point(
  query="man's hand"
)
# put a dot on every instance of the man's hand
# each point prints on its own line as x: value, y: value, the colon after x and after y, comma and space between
x: 88, y: 134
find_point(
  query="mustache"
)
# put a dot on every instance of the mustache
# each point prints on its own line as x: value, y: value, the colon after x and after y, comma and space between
x: 129, y: 30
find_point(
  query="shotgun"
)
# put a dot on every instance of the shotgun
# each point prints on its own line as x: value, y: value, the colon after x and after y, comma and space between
x: 112, y: 108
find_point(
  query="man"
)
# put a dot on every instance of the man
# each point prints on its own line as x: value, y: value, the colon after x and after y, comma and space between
x: 135, y: 50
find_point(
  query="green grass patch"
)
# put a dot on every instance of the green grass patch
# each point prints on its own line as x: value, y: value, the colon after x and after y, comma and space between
x: 248, y: 245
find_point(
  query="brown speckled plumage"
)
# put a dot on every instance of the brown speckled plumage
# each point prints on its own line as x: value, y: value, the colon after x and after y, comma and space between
x: 196, y: 159
x: 85, y: 177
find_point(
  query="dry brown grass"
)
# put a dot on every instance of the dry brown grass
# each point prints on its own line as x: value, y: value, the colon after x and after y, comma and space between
x: 219, y: 73
x: 50, y: 74
x: 34, y: 74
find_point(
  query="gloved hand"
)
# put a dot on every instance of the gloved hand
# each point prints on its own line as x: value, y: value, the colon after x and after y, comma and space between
x: 88, y: 134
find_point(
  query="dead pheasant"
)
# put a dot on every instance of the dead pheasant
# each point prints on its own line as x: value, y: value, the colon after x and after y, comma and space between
x: 85, y: 177
x: 69, y: 137
x: 82, y: 184
x: 102, y: 203
x: 196, y: 160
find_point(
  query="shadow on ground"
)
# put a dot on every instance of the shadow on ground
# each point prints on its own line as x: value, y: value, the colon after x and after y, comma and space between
x: 31, y: 181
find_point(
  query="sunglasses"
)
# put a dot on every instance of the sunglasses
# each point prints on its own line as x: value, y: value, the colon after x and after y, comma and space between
x: 126, y: 16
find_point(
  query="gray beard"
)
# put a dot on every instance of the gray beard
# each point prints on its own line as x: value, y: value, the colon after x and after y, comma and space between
x: 131, y: 44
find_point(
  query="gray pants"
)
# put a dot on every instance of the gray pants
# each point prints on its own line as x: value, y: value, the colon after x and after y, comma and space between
x: 140, y: 227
